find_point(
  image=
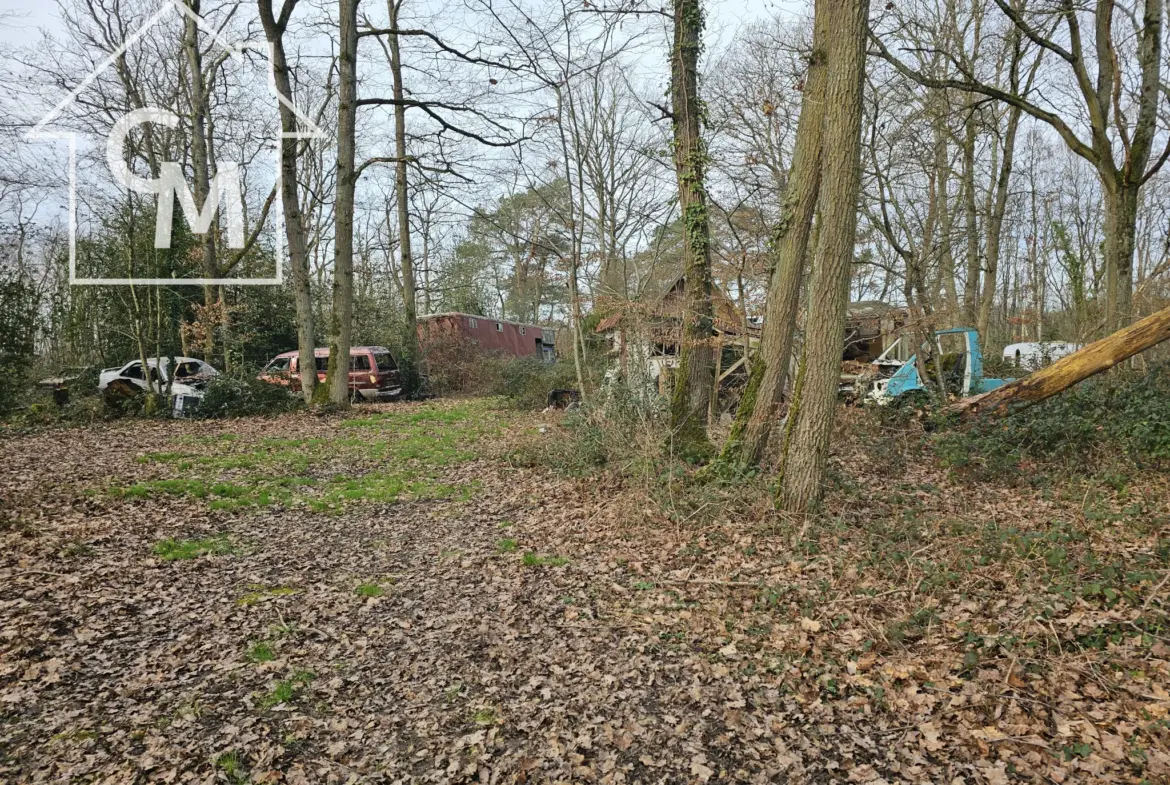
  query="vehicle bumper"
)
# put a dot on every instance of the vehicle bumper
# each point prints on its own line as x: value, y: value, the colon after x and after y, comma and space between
x: 380, y: 395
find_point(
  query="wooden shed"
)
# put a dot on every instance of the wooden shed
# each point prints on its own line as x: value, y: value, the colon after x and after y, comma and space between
x: 646, y: 336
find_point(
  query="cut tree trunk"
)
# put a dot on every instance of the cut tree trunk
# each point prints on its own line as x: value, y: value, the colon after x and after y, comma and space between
x: 1076, y: 367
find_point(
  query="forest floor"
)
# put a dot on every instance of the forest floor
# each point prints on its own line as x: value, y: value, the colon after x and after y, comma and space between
x: 387, y: 597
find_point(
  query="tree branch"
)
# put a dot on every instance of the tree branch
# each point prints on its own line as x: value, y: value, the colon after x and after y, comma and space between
x: 970, y: 86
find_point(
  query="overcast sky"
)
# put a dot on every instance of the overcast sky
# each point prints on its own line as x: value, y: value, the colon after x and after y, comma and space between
x: 723, y: 16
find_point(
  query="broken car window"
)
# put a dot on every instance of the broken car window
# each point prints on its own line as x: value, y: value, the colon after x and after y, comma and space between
x: 188, y: 369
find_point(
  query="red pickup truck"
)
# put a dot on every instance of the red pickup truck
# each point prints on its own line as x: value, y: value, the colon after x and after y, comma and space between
x: 373, y: 372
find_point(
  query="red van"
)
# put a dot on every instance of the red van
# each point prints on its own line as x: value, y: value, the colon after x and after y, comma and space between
x: 373, y: 372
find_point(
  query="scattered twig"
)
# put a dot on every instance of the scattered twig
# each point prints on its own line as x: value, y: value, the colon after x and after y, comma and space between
x: 713, y: 582
x: 18, y: 573
x: 1154, y: 592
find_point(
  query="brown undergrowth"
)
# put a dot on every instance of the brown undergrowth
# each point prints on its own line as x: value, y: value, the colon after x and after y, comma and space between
x: 440, y: 605
x: 1012, y: 627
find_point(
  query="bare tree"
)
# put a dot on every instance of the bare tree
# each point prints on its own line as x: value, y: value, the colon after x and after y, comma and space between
x: 757, y: 409
x: 341, y: 317
x: 1101, y: 109
x: 695, y: 376
x: 294, y: 227
x: 814, y: 402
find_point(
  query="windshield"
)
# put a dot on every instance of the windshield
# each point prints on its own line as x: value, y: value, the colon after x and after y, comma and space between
x: 385, y: 361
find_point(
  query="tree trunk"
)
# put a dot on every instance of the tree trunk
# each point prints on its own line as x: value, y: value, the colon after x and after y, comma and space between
x: 199, y: 159
x: 971, y: 289
x: 409, y: 361
x: 995, y: 223
x: 694, y: 379
x: 573, y: 219
x: 341, y: 318
x: 946, y: 221
x: 1076, y: 367
x: 294, y: 229
x: 807, y: 450
x: 1120, y: 228
x: 757, y: 409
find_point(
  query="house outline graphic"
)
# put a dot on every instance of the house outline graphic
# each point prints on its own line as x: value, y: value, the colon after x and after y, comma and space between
x: 42, y: 131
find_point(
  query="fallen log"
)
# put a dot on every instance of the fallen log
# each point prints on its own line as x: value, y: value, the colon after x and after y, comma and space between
x: 1073, y: 368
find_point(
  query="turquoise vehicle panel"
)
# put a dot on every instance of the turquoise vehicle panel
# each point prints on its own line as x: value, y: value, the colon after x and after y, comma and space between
x: 906, y: 378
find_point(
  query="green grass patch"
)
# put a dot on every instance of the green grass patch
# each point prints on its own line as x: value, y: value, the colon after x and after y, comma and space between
x: 369, y: 590
x: 448, y: 415
x: 286, y: 690
x: 485, y: 717
x: 79, y: 735
x: 232, y: 766
x: 258, y: 593
x: 243, y: 473
x: 261, y: 652
x: 531, y: 559
x: 282, y: 692
x: 506, y: 546
x: 175, y: 550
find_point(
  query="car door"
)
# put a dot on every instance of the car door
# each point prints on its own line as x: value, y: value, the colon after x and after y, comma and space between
x: 133, y: 372
x: 359, y: 371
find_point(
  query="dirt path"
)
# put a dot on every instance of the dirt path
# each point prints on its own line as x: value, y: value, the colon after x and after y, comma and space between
x: 409, y: 612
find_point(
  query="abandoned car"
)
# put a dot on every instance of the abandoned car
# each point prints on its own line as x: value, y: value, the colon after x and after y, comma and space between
x: 952, y: 356
x: 373, y: 372
x: 186, y: 388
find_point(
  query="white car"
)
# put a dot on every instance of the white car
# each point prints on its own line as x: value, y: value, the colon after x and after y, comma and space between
x: 1035, y: 355
x: 191, y: 376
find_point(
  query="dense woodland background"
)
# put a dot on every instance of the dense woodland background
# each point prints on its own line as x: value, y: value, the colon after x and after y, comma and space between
x: 553, y: 163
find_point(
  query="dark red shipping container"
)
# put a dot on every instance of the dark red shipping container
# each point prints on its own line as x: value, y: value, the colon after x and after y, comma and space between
x: 493, y: 335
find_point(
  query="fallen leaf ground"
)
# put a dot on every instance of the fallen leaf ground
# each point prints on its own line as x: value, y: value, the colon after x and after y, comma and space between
x: 393, y: 597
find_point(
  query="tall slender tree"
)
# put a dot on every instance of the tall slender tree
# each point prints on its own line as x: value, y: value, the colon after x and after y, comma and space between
x: 814, y: 405
x: 341, y: 317
x: 410, y: 354
x: 695, y: 377
x: 757, y: 409
x: 294, y: 229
